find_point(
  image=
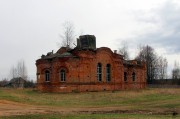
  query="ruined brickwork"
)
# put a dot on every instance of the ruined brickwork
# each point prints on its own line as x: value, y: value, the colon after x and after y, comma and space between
x: 86, y: 68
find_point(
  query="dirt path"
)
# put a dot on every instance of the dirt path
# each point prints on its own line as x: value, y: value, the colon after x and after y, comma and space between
x: 8, y: 108
x: 12, y: 108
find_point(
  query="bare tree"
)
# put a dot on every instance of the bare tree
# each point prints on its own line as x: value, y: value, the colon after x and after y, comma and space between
x: 156, y: 66
x: 124, y: 50
x: 67, y: 35
x: 176, y: 71
x: 22, y: 70
x: 13, y: 72
x: 3, y: 82
x: 19, y: 71
x: 161, y: 68
x: 148, y: 55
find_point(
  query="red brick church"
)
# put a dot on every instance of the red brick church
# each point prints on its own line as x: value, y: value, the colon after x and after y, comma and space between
x: 87, y: 68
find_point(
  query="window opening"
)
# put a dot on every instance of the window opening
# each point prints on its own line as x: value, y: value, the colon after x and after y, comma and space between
x: 47, y: 75
x: 133, y: 76
x: 63, y: 75
x: 125, y: 76
x: 108, y: 72
x: 99, y: 72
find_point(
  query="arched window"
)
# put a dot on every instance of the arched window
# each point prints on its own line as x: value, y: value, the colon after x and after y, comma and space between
x: 63, y: 75
x: 47, y: 75
x: 99, y: 72
x: 133, y: 76
x: 108, y: 72
x: 125, y: 76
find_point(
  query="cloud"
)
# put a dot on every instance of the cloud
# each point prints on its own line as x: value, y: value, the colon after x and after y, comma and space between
x: 161, y: 27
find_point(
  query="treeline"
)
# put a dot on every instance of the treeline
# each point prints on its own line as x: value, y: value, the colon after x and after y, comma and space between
x: 156, y: 65
x: 17, y: 83
x: 18, y: 77
x: 166, y: 81
x: 176, y: 71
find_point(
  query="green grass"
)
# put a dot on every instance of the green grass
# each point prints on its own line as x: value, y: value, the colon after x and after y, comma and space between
x: 148, y: 99
x: 92, y: 116
x: 137, y: 99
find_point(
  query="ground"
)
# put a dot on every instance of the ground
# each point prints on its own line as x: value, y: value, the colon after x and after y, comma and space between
x: 148, y: 103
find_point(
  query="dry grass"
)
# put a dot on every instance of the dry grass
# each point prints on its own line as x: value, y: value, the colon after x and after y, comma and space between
x: 147, y: 101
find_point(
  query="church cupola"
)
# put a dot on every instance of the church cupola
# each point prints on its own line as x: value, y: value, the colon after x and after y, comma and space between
x: 86, y: 42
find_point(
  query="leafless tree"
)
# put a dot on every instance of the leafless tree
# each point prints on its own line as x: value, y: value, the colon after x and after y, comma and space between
x: 176, y: 71
x: 146, y: 54
x: 67, y: 36
x: 161, y: 68
x: 19, y: 71
x: 156, y: 66
x: 3, y: 82
x: 124, y: 50
x: 13, y: 72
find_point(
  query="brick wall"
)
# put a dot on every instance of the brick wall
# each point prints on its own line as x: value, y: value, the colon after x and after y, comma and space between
x: 81, y: 72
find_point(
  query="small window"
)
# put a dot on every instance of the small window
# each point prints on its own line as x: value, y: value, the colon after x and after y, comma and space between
x: 47, y: 75
x: 133, y: 76
x: 99, y: 72
x: 108, y: 72
x: 63, y: 75
x: 38, y: 76
x: 125, y: 76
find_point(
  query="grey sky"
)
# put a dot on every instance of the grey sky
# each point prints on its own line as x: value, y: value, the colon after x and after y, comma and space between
x: 164, y: 23
x: 30, y: 28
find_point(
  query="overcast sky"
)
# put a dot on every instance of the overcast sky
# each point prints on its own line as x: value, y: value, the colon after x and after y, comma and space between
x: 30, y: 28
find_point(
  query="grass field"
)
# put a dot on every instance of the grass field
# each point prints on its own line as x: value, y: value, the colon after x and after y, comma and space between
x: 145, y: 104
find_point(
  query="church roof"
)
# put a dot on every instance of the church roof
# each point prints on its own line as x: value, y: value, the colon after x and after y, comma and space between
x: 57, y: 55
